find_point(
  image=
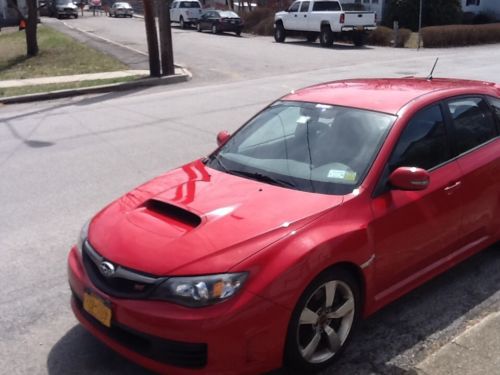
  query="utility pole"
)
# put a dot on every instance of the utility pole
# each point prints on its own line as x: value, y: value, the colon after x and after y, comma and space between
x: 167, y: 53
x: 420, y: 25
x: 152, y: 37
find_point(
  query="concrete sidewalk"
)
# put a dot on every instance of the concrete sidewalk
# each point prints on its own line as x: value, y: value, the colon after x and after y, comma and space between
x: 475, y: 351
x: 72, y: 78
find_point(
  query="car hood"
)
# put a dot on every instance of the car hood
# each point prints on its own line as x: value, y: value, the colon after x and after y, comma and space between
x: 197, y: 220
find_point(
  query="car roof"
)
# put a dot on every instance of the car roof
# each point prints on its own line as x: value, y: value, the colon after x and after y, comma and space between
x: 388, y: 95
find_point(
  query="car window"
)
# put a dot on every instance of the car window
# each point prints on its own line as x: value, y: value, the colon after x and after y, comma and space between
x: 313, y: 147
x: 294, y: 7
x: 473, y: 122
x: 424, y: 142
x: 325, y: 6
x: 304, y: 7
x: 495, y: 105
x: 189, y: 4
x: 229, y: 14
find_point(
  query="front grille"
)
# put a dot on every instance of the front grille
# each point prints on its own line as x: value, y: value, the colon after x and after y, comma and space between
x: 175, y: 353
x: 124, y: 283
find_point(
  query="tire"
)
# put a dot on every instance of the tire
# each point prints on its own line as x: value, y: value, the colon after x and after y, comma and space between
x: 76, y: 16
x: 326, y: 36
x: 215, y: 30
x: 238, y: 32
x: 358, y: 39
x: 181, y: 23
x: 198, y: 27
x: 279, y: 33
x: 311, y: 37
x: 323, y: 321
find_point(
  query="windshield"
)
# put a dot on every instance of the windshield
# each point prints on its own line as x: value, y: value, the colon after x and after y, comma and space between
x: 189, y: 4
x: 229, y: 15
x: 306, y: 146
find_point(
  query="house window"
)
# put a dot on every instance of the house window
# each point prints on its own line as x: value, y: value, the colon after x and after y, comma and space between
x: 473, y: 2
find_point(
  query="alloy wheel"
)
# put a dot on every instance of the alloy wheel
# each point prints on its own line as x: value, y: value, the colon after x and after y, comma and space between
x: 326, y: 321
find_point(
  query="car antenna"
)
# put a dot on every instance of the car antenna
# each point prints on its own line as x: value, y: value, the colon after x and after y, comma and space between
x: 432, y: 71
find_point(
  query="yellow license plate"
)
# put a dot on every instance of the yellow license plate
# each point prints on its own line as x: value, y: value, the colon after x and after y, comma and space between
x: 360, y: 28
x: 98, y: 308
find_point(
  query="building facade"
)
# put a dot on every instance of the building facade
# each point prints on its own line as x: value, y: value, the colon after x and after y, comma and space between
x: 490, y: 7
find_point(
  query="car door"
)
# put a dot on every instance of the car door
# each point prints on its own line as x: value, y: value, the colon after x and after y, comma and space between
x: 174, y: 11
x: 203, y: 20
x: 290, y: 19
x: 412, y: 230
x: 478, y: 149
x: 301, y: 21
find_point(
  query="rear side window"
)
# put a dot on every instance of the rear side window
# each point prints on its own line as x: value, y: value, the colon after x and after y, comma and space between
x: 325, y: 6
x: 473, y: 122
x: 423, y: 143
x: 495, y: 104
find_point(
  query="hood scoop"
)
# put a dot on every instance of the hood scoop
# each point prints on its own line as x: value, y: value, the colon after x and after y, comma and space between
x: 172, y: 214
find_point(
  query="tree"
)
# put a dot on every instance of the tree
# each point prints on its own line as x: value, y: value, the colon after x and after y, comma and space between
x: 434, y: 12
x: 31, y: 25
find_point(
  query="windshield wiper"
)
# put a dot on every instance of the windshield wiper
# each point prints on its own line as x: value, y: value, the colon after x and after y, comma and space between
x: 262, y: 177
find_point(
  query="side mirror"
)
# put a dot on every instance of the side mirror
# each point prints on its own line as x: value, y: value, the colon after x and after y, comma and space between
x: 222, y: 137
x: 410, y: 178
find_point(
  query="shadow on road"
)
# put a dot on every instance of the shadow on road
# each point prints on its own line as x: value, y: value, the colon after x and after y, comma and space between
x: 335, y: 46
x: 398, y: 334
x: 78, y: 352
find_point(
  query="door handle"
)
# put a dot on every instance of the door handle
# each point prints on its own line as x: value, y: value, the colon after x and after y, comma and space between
x: 295, y: 15
x: 453, y: 187
x: 305, y: 15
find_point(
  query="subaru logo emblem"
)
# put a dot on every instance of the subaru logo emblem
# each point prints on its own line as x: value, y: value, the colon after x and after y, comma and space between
x: 107, y: 269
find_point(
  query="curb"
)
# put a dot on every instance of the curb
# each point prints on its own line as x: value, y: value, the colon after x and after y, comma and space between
x: 143, y: 82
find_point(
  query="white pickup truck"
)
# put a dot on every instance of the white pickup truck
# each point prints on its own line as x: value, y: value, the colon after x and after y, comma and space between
x: 185, y: 12
x: 326, y: 19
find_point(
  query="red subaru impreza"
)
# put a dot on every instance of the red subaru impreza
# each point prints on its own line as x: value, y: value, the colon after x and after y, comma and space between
x: 327, y: 205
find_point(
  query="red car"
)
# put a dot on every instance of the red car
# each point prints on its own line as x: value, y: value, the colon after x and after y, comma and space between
x: 327, y: 205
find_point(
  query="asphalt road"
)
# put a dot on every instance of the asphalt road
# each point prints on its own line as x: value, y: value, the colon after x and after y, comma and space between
x: 61, y: 161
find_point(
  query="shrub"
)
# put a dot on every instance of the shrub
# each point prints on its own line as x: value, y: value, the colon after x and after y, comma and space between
x: 460, y: 35
x: 381, y: 36
x: 384, y: 36
x: 255, y: 17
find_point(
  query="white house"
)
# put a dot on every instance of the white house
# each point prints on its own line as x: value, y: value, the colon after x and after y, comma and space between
x: 490, y: 7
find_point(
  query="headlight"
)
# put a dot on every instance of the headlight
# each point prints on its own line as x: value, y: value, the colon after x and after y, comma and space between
x: 84, y: 233
x: 200, y: 290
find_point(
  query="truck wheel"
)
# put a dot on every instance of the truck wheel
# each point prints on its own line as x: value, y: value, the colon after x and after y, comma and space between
x: 322, y: 322
x: 279, y: 33
x: 358, y: 39
x: 215, y: 29
x: 326, y: 36
x: 181, y: 23
x: 311, y: 37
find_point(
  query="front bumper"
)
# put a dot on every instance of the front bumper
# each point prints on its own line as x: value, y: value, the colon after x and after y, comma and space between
x: 245, y: 334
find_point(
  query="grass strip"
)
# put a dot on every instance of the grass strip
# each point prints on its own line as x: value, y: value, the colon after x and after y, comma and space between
x: 59, y: 55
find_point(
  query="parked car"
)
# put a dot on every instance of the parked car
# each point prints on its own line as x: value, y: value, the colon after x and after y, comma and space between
x: 326, y: 19
x: 121, y: 9
x: 63, y: 9
x: 219, y: 21
x: 326, y: 206
x: 185, y: 12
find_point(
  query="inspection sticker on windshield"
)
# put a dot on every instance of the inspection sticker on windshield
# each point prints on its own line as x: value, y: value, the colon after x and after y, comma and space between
x: 341, y: 175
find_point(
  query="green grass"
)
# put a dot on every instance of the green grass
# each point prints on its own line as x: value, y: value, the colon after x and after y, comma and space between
x: 15, y: 91
x: 59, y: 55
